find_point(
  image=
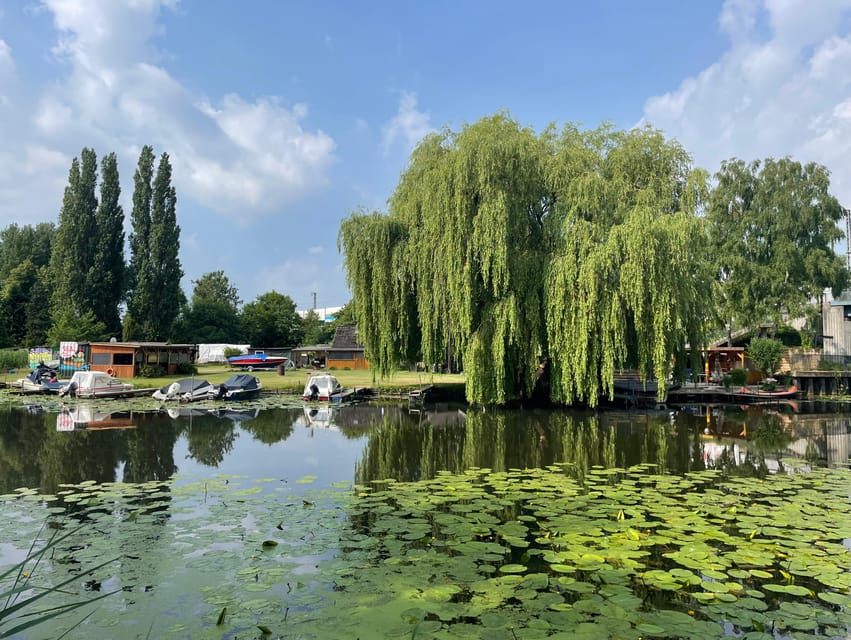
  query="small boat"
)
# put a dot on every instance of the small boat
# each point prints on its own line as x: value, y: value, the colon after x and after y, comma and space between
x: 252, y: 361
x: 241, y: 386
x: 96, y: 384
x: 187, y: 390
x: 42, y: 379
x: 745, y: 394
x: 322, y: 387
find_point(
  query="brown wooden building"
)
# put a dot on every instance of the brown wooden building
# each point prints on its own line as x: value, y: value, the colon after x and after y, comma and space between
x: 125, y: 359
x: 344, y: 352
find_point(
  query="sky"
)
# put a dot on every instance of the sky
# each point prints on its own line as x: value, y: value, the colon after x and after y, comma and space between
x: 283, y: 118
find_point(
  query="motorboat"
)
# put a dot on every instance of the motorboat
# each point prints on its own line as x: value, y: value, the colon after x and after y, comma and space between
x: 42, y: 379
x: 241, y: 386
x: 322, y: 387
x: 260, y: 360
x: 187, y: 390
x: 96, y: 384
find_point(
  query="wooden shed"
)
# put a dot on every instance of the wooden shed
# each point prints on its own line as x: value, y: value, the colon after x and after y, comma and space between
x: 344, y: 352
x: 125, y: 359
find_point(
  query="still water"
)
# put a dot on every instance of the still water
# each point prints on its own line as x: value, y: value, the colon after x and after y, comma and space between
x: 43, y: 447
x: 216, y: 520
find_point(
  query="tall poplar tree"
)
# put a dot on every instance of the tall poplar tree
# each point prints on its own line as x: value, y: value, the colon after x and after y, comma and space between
x: 105, y: 281
x: 76, y: 239
x: 539, y: 261
x: 156, y: 297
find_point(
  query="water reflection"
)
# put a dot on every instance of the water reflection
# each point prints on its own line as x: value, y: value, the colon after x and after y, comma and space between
x: 46, y: 448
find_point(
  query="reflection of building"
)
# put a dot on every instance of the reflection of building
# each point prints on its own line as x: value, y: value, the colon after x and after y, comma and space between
x: 83, y: 416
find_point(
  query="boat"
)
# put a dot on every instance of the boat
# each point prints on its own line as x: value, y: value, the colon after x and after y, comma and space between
x: 322, y: 387
x: 260, y: 360
x: 240, y: 386
x: 187, y: 390
x: 96, y: 384
x: 748, y: 395
x: 42, y: 379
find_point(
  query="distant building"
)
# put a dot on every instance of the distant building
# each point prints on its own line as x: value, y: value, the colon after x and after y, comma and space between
x: 326, y: 314
x: 344, y: 352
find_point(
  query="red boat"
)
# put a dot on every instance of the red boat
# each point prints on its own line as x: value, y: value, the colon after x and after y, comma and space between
x: 252, y: 361
x: 744, y: 394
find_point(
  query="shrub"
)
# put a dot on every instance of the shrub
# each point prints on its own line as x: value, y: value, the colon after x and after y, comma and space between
x: 186, y: 369
x: 232, y: 351
x: 738, y: 376
x: 765, y: 354
x: 151, y: 371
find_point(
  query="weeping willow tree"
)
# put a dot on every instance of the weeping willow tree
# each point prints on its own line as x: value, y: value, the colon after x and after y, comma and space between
x: 551, y: 259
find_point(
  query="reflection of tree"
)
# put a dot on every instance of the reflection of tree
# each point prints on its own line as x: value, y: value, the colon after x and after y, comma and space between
x: 273, y: 425
x: 75, y: 456
x: 209, y: 438
x: 767, y: 435
x: 502, y: 440
x: 150, y: 448
x: 21, y: 439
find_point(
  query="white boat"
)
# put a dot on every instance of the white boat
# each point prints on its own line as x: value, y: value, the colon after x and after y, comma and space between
x: 96, y: 384
x: 322, y: 387
x: 187, y: 390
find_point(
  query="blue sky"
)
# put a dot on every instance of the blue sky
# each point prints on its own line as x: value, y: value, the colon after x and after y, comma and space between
x: 281, y: 118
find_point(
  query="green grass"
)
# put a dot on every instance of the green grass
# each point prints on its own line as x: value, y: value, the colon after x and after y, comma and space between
x: 294, y: 380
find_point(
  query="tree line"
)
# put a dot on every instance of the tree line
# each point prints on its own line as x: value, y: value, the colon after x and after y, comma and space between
x: 71, y: 281
x: 543, y: 263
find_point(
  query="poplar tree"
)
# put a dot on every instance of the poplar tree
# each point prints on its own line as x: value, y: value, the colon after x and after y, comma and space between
x: 156, y: 297
x: 105, y: 280
x: 538, y: 261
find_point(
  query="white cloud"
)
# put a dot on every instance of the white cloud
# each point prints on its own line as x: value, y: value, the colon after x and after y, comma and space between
x: 408, y: 125
x: 315, y: 250
x: 240, y: 157
x: 782, y: 88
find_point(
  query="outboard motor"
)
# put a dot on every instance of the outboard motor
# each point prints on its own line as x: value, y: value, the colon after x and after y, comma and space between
x: 314, y: 392
x: 70, y: 390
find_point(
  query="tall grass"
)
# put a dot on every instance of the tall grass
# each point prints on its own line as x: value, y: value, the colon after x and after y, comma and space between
x: 14, y: 359
x: 24, y: 605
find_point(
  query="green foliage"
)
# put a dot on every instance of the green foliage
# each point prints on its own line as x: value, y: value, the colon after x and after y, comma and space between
x: 19, y: 603
x: 156, y: 297
x: 738, y: 376
x: 765, y: 354
x: 577, y: 252
x: 316, y: 331
x: 271, y: 321
x: 151, y: 371
x: 13, y: 359
x: 186, y: 369
x: 106, y: 278
x: 216, y: 287
x: 68, y: 325
x: 773, y: 225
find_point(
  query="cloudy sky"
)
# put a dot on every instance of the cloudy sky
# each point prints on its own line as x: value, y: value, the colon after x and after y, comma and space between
x: 281, y: 118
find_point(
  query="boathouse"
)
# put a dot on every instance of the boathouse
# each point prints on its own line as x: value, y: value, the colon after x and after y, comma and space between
x: 126, y: 359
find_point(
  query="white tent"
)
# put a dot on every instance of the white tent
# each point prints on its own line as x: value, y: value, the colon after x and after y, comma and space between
x: 216, y: 352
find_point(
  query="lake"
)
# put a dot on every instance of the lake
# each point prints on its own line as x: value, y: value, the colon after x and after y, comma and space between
x: 229, y: 522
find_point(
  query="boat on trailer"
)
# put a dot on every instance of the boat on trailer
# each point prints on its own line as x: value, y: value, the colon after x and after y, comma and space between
x: 259, y: 360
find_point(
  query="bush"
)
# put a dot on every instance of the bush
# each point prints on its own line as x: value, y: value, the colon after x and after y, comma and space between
x: 738, y: 376
x: 232, y: 351
x: 186, y: 369
x: 765, y: 354
x: 14, y: 359
x: 151, y: 371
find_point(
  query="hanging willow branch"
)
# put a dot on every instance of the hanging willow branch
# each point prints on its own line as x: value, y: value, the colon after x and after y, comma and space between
x: 514, y: 253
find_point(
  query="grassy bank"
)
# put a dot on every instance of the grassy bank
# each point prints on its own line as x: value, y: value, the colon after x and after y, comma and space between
x: 296, y: 379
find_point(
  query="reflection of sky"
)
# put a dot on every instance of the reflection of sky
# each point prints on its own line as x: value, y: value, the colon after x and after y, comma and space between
x: 320, y: 452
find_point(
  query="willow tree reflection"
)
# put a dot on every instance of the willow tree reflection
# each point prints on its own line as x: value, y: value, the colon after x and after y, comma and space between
x: 22, y: 436
x: 502, y: 440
